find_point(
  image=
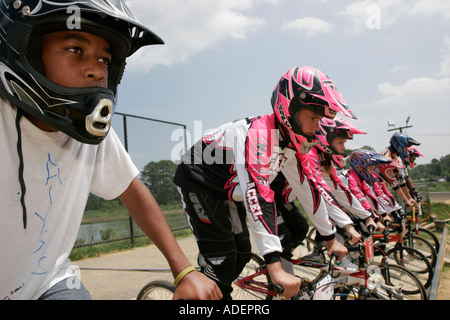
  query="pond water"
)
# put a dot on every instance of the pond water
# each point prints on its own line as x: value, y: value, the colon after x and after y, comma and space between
x: 91, y: 232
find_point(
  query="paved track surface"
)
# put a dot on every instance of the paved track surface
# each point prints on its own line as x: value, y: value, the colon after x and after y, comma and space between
x: 440, y: 197
x: 125, y: 285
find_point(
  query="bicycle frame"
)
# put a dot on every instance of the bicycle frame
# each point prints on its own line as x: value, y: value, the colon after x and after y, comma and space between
x: 388, y: 237
x: 403, y: 231
x: 248, y: 282
x: 391, y: 237
x: 367, y: 278
x: 363, y: 277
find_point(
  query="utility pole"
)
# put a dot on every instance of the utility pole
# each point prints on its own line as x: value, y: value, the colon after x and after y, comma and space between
x: 392, y: 124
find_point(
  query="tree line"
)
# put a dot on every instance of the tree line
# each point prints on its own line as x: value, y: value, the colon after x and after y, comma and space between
x: 435, y: 170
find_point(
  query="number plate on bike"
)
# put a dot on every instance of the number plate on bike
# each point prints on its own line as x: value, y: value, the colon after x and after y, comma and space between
x: 325, y: 289
x: 368, y: 248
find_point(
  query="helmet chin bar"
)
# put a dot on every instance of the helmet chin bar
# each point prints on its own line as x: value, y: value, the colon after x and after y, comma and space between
x: 99, y: 121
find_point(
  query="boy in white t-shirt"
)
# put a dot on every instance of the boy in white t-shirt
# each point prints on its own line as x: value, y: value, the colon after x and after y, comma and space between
x: 59, y: 68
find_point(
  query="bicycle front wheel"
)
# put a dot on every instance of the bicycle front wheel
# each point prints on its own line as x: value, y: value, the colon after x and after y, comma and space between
x: 413, y: 260
x: 426, y: 211
x: 157, y: 290
x: 411, y: 286
x: 424, y: 246
x: 427, y: 234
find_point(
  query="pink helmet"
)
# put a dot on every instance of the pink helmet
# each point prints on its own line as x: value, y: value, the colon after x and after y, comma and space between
x: 331, y: 129
x: 305, y: 87
x: 413, y: 152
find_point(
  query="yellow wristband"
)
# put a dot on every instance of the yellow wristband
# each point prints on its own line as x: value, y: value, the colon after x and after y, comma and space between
x: 183, y: 274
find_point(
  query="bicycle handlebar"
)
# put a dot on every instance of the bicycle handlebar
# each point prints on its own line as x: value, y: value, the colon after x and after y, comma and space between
x: 278, y: 288
x: 333, y: 259
x: 306, y: 284
x: 371, y: 229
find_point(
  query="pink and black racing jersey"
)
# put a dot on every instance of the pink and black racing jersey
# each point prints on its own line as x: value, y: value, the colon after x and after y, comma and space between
x: 238, y: 161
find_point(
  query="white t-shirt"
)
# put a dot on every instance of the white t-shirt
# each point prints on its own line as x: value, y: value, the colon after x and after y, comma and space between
x: 59, y: 173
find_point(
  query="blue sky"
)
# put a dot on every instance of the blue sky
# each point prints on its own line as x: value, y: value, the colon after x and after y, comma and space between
x: 389, y: 58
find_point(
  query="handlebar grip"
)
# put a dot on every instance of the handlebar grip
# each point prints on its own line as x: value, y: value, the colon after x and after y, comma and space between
x: 346, y: 236
x: 278, y: 288
x: 333, y: 257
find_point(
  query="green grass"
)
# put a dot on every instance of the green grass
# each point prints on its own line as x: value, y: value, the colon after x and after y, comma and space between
x: 442, y: 210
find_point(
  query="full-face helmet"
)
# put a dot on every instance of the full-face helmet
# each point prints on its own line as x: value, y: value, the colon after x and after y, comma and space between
x: 414, y: 152
x: 330, y: 129
x: 305, y: 87
x: 398, y: 143
x: 82, y: 113
x: 361, y: 159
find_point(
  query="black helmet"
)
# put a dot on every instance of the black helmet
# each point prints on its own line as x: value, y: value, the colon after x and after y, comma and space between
x: 82, y: 113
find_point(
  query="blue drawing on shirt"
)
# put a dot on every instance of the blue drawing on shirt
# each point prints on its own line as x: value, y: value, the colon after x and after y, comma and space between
x: 53, y: 179
x: 52, y: 172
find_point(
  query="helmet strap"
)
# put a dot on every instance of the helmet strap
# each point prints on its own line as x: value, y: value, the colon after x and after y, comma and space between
x: 21, y: 168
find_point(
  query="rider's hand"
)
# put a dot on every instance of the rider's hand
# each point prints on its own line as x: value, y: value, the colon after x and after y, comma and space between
x: 290, y: 283
x: 334, y: 246
x: 381, y: 226
x: 370, y: 222
x: 411, y: 203
x: 197, y: 286
x: 387, y: 218
x: 351, y: 231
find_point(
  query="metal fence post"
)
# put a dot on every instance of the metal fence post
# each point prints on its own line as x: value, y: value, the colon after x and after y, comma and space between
x: 185, y: 139
x: 96, y: 228
x: 125, y: 139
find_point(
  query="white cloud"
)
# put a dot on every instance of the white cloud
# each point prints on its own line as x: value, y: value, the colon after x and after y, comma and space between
x: 415, y: 91
x: 398, y: 69
x: 431, y: 7
x: 308, y: 26
x: 190, y: 26
x: 362, y: 13
x: 445, y: 63
x: 423, y: 89
x: 365, y: 13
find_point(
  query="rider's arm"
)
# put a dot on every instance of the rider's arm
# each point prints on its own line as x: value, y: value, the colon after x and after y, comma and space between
x: 356, y: 187
x: 144, y: 210
x: 307, y: 192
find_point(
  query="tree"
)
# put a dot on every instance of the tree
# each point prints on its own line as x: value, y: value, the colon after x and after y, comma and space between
x: 435, y: 170
x: 158, y: 177
x: 368, y: 148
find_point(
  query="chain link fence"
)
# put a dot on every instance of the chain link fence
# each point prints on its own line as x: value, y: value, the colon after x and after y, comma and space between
x: 152, y: 145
